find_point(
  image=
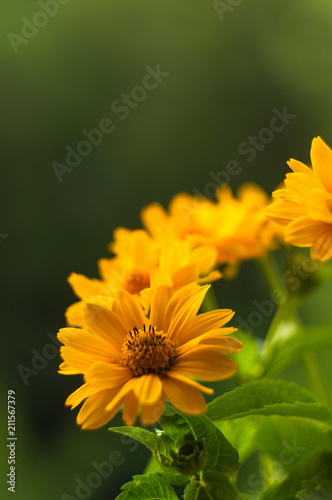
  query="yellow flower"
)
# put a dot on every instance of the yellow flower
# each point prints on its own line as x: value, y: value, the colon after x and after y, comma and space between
x: 304, y: 206
x: 142, y: 263
x: 236, y: 227
x: 137, y: 360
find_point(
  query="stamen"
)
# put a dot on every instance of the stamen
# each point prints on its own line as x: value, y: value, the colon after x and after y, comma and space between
x: 148, y: 351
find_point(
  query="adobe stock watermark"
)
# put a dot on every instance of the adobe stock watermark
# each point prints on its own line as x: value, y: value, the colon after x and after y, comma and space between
x: 221, y: 7
x: 122, y: 107
x: 39, y: 359
x: 249, y: 148
x: 290, y: 453
x: 30, y: 27
x: 293, y: 279
x: 100, y: 471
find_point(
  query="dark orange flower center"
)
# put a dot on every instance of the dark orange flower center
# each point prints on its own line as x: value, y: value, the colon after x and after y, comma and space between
x: 148, y: 351
x: 136, y: 282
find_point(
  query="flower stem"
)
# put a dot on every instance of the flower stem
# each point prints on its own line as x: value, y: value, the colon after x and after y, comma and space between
x: 271, y: 272
x: 284, y: 308
x: 288, y: 309
x: 315, y: 377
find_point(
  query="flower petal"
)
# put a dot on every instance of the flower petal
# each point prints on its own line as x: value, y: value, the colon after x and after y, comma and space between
x: 80, y: 362
x: 128, y: 311
x: 302, y: 231
x: 186, y: 274
x: 206, y: 322
x: 94, y: 413
x: 112, y: 272
x: 159, y: 301
x: 300, y: 186
x: 223, y: 344
x: 282, y: 212
x: 321, y: 159
x: 74, y: 314
x: 178, y: 376
x: 183, y: 396
x: 213, y: 338
x: 322, y: 246
x: 148, y: 388
x: 298, y: 166
x: 154, y: 218
x: 130, y: 408
x: 317, y: 206
x: 206, y: 258
x: 120, y: 394
x: 205, y: 364
x: 212, y: 276
x: 182, y: 309
x: 106, y: 375
x: 76, y: 397
x: 104, y: 324
x: 84, y: 286
x: 159, y: 277
x: 86, y: 342
x: 152, y: 413
x: 66, y: 369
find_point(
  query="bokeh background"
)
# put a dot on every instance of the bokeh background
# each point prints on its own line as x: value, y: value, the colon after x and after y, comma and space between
x: 227, y: 72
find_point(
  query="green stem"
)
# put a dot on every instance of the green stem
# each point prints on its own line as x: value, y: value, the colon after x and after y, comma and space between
x: 210, y: 302
x: 313, y: 372
x: 283, y: 310
x: 271, y: 272
x: 287, y: 309
x: 315, y: 378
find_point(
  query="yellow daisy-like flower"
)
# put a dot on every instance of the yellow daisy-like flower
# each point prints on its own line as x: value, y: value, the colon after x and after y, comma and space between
x: 304, y: 206
x: 142, y: 263
x: 130, y: 359
x: 236, y: 227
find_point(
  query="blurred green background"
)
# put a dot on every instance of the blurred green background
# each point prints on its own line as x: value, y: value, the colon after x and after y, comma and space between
x: 227, y: 73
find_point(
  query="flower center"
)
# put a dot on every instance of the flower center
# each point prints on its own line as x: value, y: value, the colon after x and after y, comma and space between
x: 148, y: 351
x: 136, y: 282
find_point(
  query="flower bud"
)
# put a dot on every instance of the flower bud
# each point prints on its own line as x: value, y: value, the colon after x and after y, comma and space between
x: 190, y: 457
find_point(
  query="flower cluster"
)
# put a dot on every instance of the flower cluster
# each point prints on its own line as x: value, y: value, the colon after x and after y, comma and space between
x: 136, y: 334
x: 186, y: 244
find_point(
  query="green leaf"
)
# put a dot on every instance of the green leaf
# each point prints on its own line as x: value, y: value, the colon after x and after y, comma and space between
x: 222, y: 457
x: 149, y: 439
x: 160, y: 445
x: 214, y: 486
x: 288, y: 440
x: 153, y: 466
x: 247, y: 359
x: 147, y: 487
x: 288, y: 351
x: 241, y: 434
x: 268, y: 397
x: 317, y: 464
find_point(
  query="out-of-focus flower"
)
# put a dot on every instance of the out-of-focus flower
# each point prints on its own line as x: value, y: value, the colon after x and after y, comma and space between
x: 237, y: 227
x: 141, y: 264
